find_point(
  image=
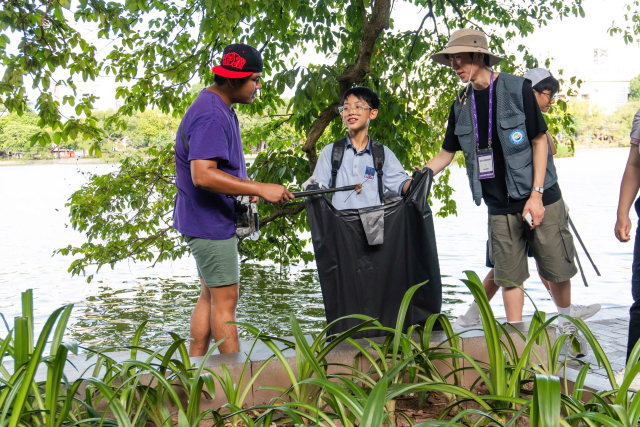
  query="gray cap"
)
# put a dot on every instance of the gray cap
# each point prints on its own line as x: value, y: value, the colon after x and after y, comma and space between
x: 536, y: 75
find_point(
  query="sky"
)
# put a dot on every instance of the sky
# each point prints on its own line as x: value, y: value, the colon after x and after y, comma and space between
x: 570, y: 42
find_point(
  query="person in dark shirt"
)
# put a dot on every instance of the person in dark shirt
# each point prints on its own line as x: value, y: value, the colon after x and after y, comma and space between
x: 498, y: 125
x: 545, y: 88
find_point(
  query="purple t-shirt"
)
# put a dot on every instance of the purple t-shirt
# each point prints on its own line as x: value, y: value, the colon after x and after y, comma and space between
x: 214, y: 133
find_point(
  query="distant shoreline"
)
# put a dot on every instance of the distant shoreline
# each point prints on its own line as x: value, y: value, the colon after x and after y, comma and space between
x: 72, y: 161
x: 94, y: 160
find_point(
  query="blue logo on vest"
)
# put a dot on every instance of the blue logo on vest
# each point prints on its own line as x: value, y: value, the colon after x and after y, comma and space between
x: 517, y: 136
x: 369, y: 172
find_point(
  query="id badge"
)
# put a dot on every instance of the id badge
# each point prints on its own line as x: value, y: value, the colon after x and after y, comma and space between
x: 485, y: 163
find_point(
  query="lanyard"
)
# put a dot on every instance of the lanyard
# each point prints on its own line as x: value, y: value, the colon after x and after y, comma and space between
x: 475, y: 114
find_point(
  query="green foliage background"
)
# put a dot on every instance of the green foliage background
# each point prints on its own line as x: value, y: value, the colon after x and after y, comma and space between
x: 160, y: 48
x: 634, y: 88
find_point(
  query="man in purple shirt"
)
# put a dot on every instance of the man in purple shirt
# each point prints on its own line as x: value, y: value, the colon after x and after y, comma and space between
x: 210, y: 167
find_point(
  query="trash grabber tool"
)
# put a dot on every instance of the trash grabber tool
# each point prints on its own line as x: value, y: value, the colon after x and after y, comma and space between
x: 584, y: 278
x: 356, y: 187
x: 573, y: 227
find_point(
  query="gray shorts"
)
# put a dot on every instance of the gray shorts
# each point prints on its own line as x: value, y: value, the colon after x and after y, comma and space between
x: 551, y: 244
x: 217, y: 260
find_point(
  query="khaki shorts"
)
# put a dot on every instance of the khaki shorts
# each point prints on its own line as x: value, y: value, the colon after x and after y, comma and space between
x: 551, y: 244
x: 217, y: 260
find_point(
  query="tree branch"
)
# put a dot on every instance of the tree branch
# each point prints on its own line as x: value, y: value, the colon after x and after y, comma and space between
x: 293, y: 210
x: 461, y: 15
x: 444, y: 15
x: 355, y: 73
x: 364, y: 13
x: 415, y: 37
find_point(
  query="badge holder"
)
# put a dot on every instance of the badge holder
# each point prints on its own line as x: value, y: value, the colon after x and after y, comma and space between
x: 485, y: 163
x: 485, y: 155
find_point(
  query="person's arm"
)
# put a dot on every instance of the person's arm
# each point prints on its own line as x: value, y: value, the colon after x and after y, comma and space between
x: 322, y: 172
x: 394, y: 176
x: 206, y: 175
x: 552, y: 145
x: 536, y: 129
x: 534, y: 204
x: 628, y: 191
x: 406, y: 185
x: 440, y: 161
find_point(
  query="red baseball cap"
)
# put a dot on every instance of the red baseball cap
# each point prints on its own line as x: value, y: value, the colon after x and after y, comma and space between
x: 239, y: 60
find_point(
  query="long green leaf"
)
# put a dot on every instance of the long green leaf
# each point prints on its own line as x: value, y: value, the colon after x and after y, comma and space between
x: 193, y: 407
x: 161, y: 380
x: 342, y: 337
x: 402, y: 314
x: 32, y: 367
x: 600, y: 418
x: 61, y: 327
x: 374, y: 408
x: 492, y: 335
x: 301, y: 343
x: 545, y: 408
x: 52, y: 388
x: 112, y: 403
x: 580, y: 379
x: 339, y: 393
x: 21, y: 346
x: 136, y: 339
x: 27, y: 311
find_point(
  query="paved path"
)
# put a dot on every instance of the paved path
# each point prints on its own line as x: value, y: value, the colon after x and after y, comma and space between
x: 610, y: 326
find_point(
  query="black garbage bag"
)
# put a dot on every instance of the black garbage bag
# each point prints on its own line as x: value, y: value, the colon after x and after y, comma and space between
x: 368, y: 258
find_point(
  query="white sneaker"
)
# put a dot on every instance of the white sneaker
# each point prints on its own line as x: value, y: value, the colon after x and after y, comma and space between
x: 466, y: 321
x: 584, y: 311
x: 570, y: 329
x: 635, y: 384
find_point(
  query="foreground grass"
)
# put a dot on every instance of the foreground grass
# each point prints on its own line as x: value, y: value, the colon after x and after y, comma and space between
x: 165, y: 388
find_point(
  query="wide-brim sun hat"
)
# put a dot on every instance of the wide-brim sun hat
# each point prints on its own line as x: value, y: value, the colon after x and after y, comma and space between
x: 466, y: 41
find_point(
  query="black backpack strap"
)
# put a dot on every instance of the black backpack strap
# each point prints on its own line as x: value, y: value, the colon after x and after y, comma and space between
x: 183, y: 136
x: 337, y: 153
x: 377, y: 150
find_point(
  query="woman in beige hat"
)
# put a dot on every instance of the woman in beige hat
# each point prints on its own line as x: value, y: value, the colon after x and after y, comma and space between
x: 497, y: 123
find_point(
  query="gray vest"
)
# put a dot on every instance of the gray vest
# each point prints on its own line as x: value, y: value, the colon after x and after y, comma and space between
x: 512, y: 134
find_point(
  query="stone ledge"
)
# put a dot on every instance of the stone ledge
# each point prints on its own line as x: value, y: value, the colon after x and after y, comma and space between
x: 471, y: 340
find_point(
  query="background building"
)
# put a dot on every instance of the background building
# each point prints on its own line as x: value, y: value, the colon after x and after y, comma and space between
x: 606, y: 82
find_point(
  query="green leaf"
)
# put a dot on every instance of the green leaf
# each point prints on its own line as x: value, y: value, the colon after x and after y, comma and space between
x: 374, y: 408
x: 545, y: 408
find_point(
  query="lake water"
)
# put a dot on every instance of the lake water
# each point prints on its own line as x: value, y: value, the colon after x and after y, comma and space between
x: 34, y: 222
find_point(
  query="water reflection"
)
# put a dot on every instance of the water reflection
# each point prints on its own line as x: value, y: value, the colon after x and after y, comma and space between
x: 267, y: 300
x: 34, y: 222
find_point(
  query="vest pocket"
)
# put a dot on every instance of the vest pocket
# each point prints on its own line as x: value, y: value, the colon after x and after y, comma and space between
x: 520, y: 174
x: 462, y: 130
x: 513, y: 121
x: 513, y: 135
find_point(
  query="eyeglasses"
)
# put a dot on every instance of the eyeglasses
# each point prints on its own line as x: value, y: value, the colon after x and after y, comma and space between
x: 358, y: 109
x: 548, y: 95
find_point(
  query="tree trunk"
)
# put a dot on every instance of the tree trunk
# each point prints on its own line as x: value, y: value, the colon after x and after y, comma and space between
x: 355, y: 73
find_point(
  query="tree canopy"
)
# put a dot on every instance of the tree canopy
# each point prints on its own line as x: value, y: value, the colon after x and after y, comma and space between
x: 158, y: 49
